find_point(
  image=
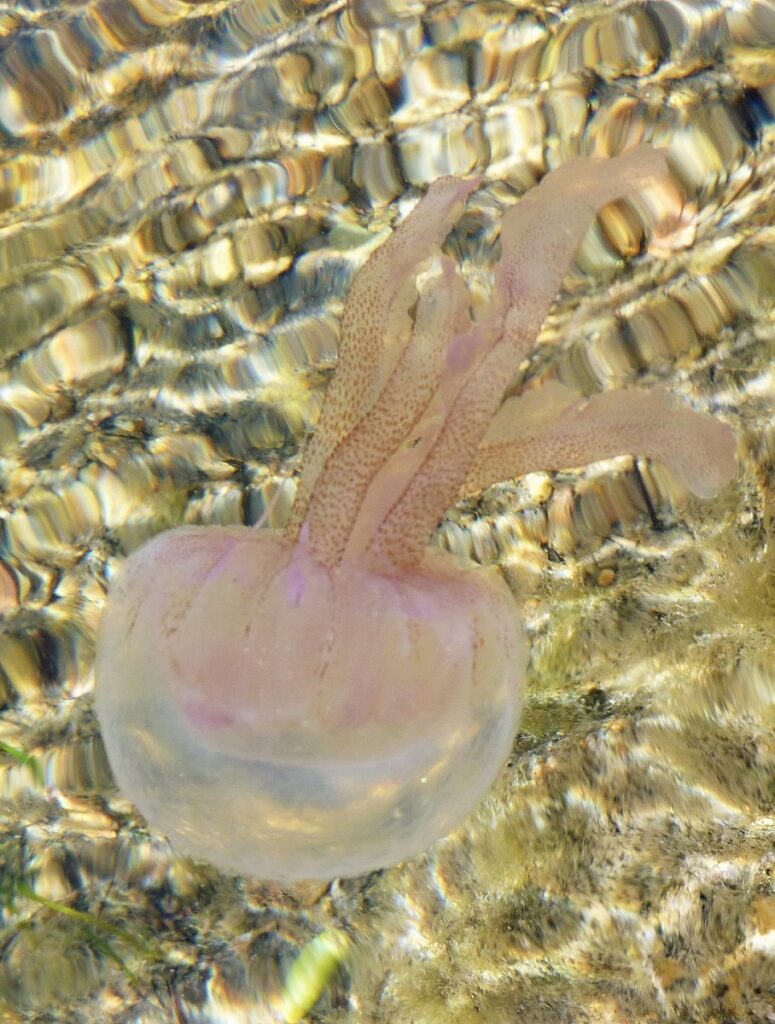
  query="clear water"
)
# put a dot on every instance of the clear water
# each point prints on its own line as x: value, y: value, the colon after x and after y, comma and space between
x: 185, y: 192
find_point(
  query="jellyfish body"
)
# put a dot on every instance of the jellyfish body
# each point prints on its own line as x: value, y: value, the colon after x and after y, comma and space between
x: 290, y: 720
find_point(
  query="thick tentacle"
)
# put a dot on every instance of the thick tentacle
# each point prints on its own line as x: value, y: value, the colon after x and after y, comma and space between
x: 539, y: 240
x: 376, y: 327
x: 554, y: 427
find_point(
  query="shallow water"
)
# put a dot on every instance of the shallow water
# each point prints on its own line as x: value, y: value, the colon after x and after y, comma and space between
x: 186, y: 191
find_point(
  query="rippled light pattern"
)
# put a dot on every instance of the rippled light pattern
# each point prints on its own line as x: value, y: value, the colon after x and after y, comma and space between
x: 187, y: 190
